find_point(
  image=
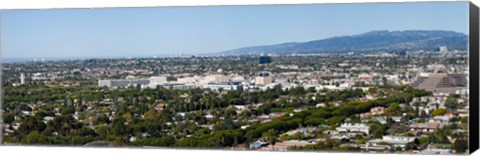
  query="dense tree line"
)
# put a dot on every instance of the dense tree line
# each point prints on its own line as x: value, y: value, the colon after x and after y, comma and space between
x: 153, y: 130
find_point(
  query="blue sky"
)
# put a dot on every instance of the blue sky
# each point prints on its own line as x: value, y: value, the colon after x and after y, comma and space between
x: 124, y: 32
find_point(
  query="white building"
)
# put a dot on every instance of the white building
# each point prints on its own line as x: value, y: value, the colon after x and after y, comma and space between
x: 22, y: 78
x: 158, y: 79
x: 443, y: 49
x: 389, y: 142
x: 260, y: 80
x: 40, y: 76
x: 217, y: 78
x: 227, y: 86
x: 263, y: 78
x: 349, y: 127
x: 122, y: 83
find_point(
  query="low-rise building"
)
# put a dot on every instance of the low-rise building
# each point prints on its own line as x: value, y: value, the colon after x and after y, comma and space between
x: 388, y: 142
x: 284, y: 145
x: 217, y: 78
x: 377, y: 110
x: 349, y: 127
x: 257, y: 144
x: 425, y: 127
x: 224, y: 85
x: 122, y: 83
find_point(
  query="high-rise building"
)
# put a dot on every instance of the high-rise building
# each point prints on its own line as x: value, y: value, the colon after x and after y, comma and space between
x: 264, y: 59
x: 22, y: 78
x: 263, y: 78
x: 441, y: 82
x: 401, y: 53
x: 442, y: 49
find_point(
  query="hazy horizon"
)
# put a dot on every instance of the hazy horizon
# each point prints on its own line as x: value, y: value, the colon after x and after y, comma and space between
x: 167, y: 31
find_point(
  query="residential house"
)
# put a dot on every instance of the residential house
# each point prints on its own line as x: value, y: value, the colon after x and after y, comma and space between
x: 388, y: 142
x: 377, y: 110
x: 353, y: 128
x: 257, y: 144
x: 425, y: 127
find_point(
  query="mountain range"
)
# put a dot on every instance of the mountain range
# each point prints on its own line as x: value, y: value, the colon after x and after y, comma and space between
x: 371, y: 41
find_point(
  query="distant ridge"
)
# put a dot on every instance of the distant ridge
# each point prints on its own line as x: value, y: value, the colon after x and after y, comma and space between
x: 370, y: 41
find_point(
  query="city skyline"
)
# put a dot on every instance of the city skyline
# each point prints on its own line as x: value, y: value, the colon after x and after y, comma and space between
x: 123, y: 32
x: 387, y: 78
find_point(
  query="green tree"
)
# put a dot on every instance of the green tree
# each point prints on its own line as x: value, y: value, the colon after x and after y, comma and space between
x: 34, y: 138
x: 270, y: 136
x: 451, y: 102
x: 460, y: 145
x: 8, y: 118
x: 393, y: 110
x: 171, y: 78
x: 101, y: 119
x: 68, y: 110
x: 439, y: 112
x: 377, y: 129
x: 30, y: 124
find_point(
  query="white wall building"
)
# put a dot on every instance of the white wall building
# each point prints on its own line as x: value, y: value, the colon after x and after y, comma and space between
x: 349, y: 127
x: 225, y: 86
x: 393, y: 141
x: 217, y: 78
x: 263, y: 80
x: 158, y: 79
x: 22, y: 78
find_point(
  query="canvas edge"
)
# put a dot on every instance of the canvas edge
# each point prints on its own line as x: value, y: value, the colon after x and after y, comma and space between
x: 474, y: 77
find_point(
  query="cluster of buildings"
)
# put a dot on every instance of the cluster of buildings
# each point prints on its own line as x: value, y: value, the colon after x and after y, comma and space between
x: 349, y: 133
x: 440, y: 83
x: 334, y: 74
x: 213, y: 82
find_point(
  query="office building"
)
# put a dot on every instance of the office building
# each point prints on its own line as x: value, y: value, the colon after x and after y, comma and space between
x: 263, y: 78
x: 217, y: 78
x: 122, y: 83
x: 264, y: 59
x: 442, y: 49
x: 224, y: 85
x: 22, y: 78
x: 401, y: 53
x: 41, y: 77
